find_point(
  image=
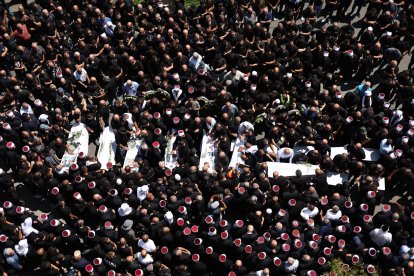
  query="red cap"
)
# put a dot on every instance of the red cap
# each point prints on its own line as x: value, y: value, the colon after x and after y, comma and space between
x: 239, y: 223
x: 277, y: 261
x: 89, y: 268
x: 222, y: 258
x: 103, y: 208
x: 180, y: 222
x: 176, y: 120
x: 74, y: 167
x: 267, y: 236
x: 3, y: 238
x: 108, y: 224
x: 194, y: 229
x: 182, y: 209
x: 345, y: 219
x: 331, y: 238
x: 292, y: 202
x: 10, y: 145
x: 327, y: 251
x: 208, y: 219
x: 188, y: 200
x: 367, y: 218
x: 198, y: 241
x: 195, y: 257
x: 187, y: 231
x: 284, y: 236
x: 316, y: 237
x: 386, y: 207
x: 25, y: 149
x: 156, y: 144
x: 168, y: 172
x: 157, y: 115
x: 276, y: 188
x: 248, y: 249
x: 162, y: 203
x: 237, y: 242
x: 321, y: 260
x: 261, y: 255
x: 91, y: 234
x: 54, y: 222
x: 97, y: 261
x: 157, y: 131
x: 91, y: 185
x: 341, y: 243
x: 370, y: 268
x: 241, y: 190
x: 209, y: 250
x: 286, y: 247
x: 260, y: 240
x: 109, y: 165
x: 66, y: 233
x: 20, y: 209
x: 311, y: 273
x: 386, y: 251
x: 364, y: 207
x: 357, y: 229
x: 224, y: 235
x: 78, y: 179
x: 298, y: 244
x: 43, y: 216
x: 372, y: 251
x: 128, y: 191
x: 355, y: 259
x: 164, y: 250
x: 191, y: 89
x: 7, y: 204
x: 348, y: 204
x: 111, y: 273
x: 296, y: 233
x: 223, y: 223
x: 55, y: 190
x: 324, y: 201
x: 139, y: 272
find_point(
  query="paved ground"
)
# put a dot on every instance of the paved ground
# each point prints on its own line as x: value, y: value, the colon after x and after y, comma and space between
x: 39, y: 206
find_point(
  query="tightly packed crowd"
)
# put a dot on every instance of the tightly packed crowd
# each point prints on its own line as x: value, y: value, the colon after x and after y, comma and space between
x: 152, y: 71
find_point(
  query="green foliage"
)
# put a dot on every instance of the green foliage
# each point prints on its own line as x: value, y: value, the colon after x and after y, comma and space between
x: 189, y: 3
x: 336, y: 266
x: 136, y: 2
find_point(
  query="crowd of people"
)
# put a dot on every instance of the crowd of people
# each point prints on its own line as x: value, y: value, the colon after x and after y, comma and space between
x: 152, y: 71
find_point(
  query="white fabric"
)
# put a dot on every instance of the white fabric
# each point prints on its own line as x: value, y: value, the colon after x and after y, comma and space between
x: 170, y: 158
x: 245, y: 126
x: 22, y: 247
x: 384, y: 148
x: 144, y: 261
x: 131, y: 154
x: 333, y: 216
x: 289, y: 169
x: 124, y: 210
x: 334, y: 178
x: 208, y: 152
x: 379, y: 237
x: 306, y: 213
x: 149, y: 245
x: 27, y: 227
x: 142, y: 192
x: 107, y: 147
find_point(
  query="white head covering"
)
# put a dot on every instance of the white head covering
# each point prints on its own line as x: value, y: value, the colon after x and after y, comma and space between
x: 27, y: 227
x: 142, y: 192
x: 124, y: 210
x: 22, y: 247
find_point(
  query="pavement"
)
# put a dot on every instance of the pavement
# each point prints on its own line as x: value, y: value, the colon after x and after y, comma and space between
x: 397, y: 195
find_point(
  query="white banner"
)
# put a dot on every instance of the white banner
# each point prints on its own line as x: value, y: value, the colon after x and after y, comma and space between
x: 78, y: 141
x: 289, y: 169
x: 208, y: 152
x: 134, y: 145
x: 107, y: 147
x: 170, y: 158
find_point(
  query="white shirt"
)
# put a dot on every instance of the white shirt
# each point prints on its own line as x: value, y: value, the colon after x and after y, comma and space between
x: 333, y: 216
x: 379, y: 237
x: 291, y: 267
x: 130, y: 90
x: 82, y: 76
x: 145, y: 261
x: 384, y: 147
x: 306, y: 213
x: 149, y: 245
